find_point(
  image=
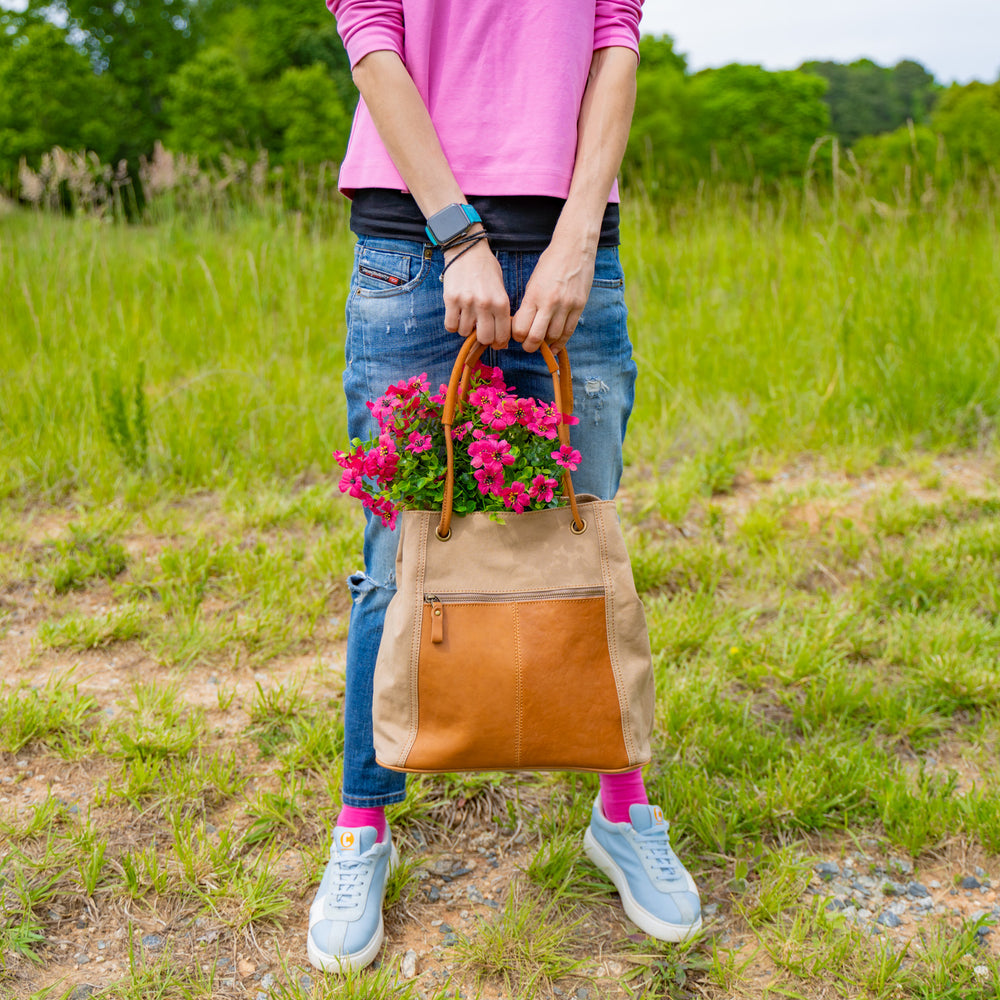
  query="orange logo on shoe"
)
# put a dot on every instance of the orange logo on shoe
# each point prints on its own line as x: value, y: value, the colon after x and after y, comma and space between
x: 347, y: 840
x: 658, y: 814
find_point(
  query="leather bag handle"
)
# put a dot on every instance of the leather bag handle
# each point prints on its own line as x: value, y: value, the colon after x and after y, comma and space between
x: 458, y: 390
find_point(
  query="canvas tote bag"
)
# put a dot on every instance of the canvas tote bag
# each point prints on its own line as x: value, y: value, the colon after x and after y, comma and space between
x: 514, y: 646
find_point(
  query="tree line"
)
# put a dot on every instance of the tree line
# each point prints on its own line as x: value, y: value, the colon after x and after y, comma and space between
x: 215, y: 77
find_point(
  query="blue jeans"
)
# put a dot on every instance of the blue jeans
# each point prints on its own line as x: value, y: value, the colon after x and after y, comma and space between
x: 395, y: 329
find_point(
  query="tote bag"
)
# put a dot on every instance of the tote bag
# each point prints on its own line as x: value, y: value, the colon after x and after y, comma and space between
x: 513, y: 646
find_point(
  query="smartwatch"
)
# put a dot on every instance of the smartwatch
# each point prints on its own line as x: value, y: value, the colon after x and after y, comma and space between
x: 451, y: 222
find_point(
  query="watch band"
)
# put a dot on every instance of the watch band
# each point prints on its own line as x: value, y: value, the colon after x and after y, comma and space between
x: 450, y: 223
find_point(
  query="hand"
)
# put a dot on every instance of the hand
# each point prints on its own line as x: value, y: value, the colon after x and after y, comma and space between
x: 554, y: 299
x: 475, y: 297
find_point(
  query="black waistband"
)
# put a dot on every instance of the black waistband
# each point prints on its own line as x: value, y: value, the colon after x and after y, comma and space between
x: 514, y: 222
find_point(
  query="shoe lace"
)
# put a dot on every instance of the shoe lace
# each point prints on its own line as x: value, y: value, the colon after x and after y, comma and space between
x: 658, y: 854
x: 349, y: 884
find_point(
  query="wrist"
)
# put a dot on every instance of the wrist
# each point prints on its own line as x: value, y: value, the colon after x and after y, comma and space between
x: 578, y: 232
x: 474, y: 240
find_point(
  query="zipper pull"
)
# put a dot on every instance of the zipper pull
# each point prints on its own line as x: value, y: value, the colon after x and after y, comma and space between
x: 437, y: 618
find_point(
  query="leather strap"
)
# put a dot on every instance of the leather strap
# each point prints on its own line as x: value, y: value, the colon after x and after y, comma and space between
x: 458, y: 392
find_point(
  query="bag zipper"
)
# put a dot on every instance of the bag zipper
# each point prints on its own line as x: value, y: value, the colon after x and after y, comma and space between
x: 438, y: 601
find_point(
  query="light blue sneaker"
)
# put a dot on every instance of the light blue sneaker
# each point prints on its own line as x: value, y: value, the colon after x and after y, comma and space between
x: 658, y: 894
x: 345, y: 919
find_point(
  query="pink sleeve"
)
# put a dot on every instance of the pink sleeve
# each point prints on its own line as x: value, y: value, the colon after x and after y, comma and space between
x: 369, y: 26
x: 617, y: 23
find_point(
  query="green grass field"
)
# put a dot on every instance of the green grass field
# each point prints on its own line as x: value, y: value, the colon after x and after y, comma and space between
x: 811, y: 503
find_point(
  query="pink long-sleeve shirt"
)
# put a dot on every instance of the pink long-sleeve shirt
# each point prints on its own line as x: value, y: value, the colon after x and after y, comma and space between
x: 503, y: 81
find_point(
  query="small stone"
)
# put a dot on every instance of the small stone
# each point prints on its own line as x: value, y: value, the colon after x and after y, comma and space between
x: 493, y: 903
x: 917, y: 890
x: 227, y: 982
x: 82, y: 991
x: 102, y: 945
x: 433, y: 894
x: 902, y: 865
x: 979, y: 872
x: 152, y: 942
x: 558, y: 991
x: 710, y: 909
x: 305, y: 982
x: 583, y: 993
x: 475, y: 896
x: 261, y: 995
x: 827, y: 870
x: 969, y: 882
x: 408, y: 967
x: 889, y: 919
x: 267, y: 981
x: 450, y: 939
x: 82, y: 958
x: 925, y: 903
x: 890, y: 888
x: 934, y: 883
x: 835, y: 904
x: 445, y: 928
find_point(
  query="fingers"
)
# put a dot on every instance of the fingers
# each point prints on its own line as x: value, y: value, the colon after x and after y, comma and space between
x: 475, y: 299
x: 531, y: 326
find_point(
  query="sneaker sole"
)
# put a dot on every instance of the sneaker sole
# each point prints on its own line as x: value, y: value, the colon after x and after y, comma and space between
x: 326, y: 962
x: 643, y: 919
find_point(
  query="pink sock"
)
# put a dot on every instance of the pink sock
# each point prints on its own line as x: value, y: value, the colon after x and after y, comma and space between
x: 619, y: 791
x: 352, y: 816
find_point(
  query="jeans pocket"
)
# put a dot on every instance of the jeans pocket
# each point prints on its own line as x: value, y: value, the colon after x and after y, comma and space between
x: 381, y: 273
x: 608, y: 269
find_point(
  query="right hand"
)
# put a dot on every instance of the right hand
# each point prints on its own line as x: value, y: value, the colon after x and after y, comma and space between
x: 475, y: 297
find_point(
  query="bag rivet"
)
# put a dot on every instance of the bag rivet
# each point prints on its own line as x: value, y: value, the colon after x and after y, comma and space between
x: 442, y: 538
x: 575, y: 529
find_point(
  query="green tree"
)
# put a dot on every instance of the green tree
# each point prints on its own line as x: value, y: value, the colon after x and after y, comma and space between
x: 137, y: 44
x: 211, y: 107
x: 969, y: 119
x: 867, y: 99
x: 49, y: 96
x: 307, y: 117
x: 903, y: 162
x: 659, y: 146
x: 756, y: 122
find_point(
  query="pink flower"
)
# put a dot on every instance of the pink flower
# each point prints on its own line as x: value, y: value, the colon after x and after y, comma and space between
x: 418, y: 442
x: 516, y: 497
x: 542, y: 488
x: 568, y: 457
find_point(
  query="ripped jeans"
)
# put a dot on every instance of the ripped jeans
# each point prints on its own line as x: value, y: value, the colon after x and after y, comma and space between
x: 395, y: 329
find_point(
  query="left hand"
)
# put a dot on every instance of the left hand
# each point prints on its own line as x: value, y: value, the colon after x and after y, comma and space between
x: 554, y: 299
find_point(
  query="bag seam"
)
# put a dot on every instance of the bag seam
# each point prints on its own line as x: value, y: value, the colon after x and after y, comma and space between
x: 609, y: 608
x: 417, y: 612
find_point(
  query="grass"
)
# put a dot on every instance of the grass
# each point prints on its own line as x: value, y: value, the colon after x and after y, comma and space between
x: 761, y: 327
x: 811, y: 504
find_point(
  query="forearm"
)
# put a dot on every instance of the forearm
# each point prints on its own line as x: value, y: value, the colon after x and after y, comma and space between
x: 474, y: 293
x: 406, y: 130
x: 602, y: 134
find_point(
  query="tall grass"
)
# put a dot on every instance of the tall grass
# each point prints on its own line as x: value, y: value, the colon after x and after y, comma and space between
x: 770, y: 325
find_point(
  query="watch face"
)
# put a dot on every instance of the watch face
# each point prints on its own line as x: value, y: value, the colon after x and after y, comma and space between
x: 448, y: 223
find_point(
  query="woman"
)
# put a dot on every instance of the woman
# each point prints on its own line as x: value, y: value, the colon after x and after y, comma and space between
x: 481, y: 168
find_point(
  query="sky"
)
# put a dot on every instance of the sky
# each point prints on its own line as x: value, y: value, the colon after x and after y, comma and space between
x: 955, y: 39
